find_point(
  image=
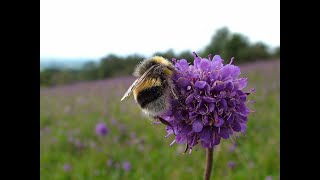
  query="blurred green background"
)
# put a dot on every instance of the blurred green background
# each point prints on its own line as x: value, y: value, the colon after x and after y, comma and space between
x: 223, y: 42
x: 76, y: 98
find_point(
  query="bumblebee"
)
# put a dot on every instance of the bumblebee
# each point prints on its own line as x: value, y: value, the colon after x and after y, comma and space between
x: 153, y: 86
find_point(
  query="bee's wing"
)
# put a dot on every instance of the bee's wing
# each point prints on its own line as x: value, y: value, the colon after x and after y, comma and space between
x: 129, y: 91
x: 137, y: 82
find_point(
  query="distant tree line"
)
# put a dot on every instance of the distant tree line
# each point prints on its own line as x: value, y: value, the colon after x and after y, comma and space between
x: 224, y: 43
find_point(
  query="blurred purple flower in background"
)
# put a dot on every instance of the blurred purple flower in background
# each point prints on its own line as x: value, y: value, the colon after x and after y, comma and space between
x: 115, y: 139
x: 232, y: 147
x: 126, y: 166
x: 133, y: 135
x: 109, y: 162
x: 54, y: 140
x: 96, y: 172
x: 67, y: 167
x: 80, y: 145
x: 211, y: 103
x: 92, y: 144
x: 101, y: 129
x: 113, y: 121
x: 269, y: 178
x: 231, y: 164
x: 251, y: 164
x: 67, y: 109
x: 122, y: 128
x: 47, y: 129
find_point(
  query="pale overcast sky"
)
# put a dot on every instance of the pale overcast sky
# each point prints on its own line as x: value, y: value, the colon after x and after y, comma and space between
x: 95, y: 28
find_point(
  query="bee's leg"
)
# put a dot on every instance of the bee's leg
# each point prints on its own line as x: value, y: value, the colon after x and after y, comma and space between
x: 169, y: 83
x: 173, y: 93
x: 166, y: 123
x: 175, y: 96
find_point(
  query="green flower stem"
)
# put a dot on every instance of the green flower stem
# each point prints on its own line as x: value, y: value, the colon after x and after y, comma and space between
x: 208, y: 167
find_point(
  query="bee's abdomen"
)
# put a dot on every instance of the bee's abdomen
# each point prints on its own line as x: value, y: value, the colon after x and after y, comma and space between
x: 148, y: 95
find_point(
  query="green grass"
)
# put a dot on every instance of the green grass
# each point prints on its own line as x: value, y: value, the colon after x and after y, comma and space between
x: 70, y: 113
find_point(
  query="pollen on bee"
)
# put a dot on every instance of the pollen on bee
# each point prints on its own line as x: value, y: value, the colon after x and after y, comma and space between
x: 168, y: 71
x: 161, y: 60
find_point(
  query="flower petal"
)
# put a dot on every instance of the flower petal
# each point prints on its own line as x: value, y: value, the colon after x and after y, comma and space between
x: 218, y: 122
x: 182, y: 65
x: 230, y: 119
x: 180, y: 139
x: 205, y: 133
x: 197, y: 126
x: 189, y: 99
x: 224, y: 133
x: 196, y: 62
x: 218, y: 85
x: 243, y: 127
x: 203, y: 110
x: 230, y: 70
x: 236, y: 126
x: 216, y: 62
x: 211, y: 107
x: 193, y: 114
x: 183, y: 82
x: 223, y: 104
x: 201, y: 102
x: 229, y: 86
x: 214, y: 75
x: 204, y: 64
x: 205, y: 143
x: 207, y: 89
x: 205, y: 120
x: 200, y: 84
x: 215, y: 138
x: 208, y: 99
x: 242, y: 83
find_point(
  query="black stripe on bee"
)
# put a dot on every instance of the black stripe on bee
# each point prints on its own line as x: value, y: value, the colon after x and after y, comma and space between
x: 148, y: 95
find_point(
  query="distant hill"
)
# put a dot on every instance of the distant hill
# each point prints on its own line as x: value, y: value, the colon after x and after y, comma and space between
x: 63, y: 63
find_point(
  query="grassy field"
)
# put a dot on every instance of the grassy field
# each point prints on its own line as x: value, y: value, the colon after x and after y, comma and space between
x: 135, y: 148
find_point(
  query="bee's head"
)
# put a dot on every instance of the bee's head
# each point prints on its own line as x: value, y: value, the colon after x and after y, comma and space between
x: 160, y: 65
x: 160, y: 60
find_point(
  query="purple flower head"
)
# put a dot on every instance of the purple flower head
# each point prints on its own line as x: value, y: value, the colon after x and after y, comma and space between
x: 126, y: 166
x: 209, y: 104
x: 101, y: 129
x: 67, y: 167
